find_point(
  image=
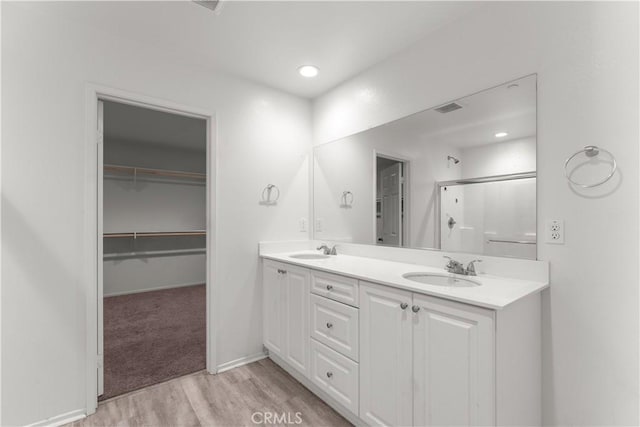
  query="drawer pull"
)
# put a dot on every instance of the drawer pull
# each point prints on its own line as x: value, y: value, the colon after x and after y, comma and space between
x: 415, y: 308
x: 329, y: 325
x: 329, y: 287
x: 404, y: 305
x: 329, y: 374
x: 282, y: 271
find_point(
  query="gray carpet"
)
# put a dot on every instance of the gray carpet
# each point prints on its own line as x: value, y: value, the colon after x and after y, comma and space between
x: 153, y: 336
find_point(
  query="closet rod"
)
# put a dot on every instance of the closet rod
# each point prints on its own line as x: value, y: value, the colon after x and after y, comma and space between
x: 154, y: 254
x: 136, y: 234
x: 155, y: 172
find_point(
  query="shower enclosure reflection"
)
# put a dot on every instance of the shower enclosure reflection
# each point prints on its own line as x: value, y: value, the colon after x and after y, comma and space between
x: 475, y: 218
x: 459, y: 177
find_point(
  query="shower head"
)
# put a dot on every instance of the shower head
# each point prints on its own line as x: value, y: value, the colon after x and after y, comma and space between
x: 455, y: 161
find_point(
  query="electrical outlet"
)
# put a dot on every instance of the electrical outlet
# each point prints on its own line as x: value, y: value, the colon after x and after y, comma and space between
x: 302, y: 224
x: 319, y: 224
x: 554, y: 231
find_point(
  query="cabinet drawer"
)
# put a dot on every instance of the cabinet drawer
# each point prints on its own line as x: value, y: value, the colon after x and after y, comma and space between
x: 335, y: 325
x: 335, y: 374
x: 339, y: 288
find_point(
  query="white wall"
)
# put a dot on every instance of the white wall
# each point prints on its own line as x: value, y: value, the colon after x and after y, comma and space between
x: 586, y: 57
x: 500, y: 158
x: 152, y: 204
x: 263, y: 135
x: 144, y: 273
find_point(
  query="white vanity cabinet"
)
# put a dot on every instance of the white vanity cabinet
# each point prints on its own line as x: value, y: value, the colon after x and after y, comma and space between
x: 453, y: 363
x: 385, y: 355
x: 427, y: 361
x: 424, y: 361
x: 382, y: 355
x: 286, y: 313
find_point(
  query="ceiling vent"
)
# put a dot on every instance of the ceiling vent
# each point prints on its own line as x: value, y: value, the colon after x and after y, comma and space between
x: 448, y: 108
x: 209, y: 4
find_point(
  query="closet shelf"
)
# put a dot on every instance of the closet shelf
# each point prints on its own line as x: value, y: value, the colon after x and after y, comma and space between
x: 136, y: 234
x: 135, y: 171
x: 153, y: 254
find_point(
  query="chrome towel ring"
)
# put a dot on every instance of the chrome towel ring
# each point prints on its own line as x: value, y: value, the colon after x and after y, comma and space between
x: 590, y: 151
x: 266, y: 194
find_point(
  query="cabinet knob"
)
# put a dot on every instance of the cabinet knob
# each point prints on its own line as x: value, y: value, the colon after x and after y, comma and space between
x: 404, y: 305
x: 415, y: 308
x: 329, y: 287
x: 329, y: 325
x: 329, y: 374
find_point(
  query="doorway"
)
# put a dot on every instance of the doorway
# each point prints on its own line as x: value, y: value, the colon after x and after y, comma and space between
x: 153, y: 241
x: 154, y: 246
x: 391, y: 190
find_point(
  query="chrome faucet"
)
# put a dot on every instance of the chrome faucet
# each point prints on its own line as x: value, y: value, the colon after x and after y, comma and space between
x: 327, y: 250
x: 456, y: 267
x: 471, y: 268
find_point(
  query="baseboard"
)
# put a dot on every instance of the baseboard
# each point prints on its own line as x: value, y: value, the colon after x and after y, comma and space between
x: 159, y: 288
x: 241, y: 361
x: 61, y: 419
x: 346, y: 413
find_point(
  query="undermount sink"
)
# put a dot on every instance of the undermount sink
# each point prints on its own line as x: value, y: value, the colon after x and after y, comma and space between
x: 440, y: 280
x: 308, y: 256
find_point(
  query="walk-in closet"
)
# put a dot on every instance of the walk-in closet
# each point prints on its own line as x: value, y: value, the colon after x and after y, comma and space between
x: 154, y: 192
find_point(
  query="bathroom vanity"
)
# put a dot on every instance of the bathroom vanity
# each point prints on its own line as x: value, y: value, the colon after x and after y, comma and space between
x: 382, y: 331
x: 385, y: 349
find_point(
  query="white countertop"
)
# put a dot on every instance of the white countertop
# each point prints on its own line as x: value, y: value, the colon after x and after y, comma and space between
x: 494, y: 292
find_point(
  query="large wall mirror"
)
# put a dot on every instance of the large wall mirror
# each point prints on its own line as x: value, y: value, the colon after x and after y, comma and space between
x: 458, y: 177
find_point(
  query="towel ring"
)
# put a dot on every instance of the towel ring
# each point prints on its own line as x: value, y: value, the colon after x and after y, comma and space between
x: 590, y: 151
x: 347, y: 198
x: 266, y: 194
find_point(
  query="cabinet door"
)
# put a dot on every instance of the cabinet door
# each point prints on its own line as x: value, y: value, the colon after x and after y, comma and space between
x: 385, y: 355
x: 296, y: 317
x: 273, y: 307
x: 453, y: 363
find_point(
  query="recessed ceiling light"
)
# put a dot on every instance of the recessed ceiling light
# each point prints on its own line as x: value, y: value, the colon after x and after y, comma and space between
x: 501, y: 134
x: 308, y: 71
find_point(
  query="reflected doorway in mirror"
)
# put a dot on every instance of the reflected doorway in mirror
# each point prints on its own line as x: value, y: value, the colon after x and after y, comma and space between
x: 391, y: 200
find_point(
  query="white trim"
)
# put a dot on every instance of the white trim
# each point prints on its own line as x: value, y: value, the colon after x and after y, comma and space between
x: 240, y: 362
x: 61, y: 419
x: 0, y: 217
x: 93, y: 93
x: 100, y: 244
x: 159, y: 288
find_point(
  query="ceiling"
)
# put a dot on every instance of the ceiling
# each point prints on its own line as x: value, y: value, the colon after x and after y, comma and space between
x: 267, y: 41
x: 125, y: 122
x: 510, y: 108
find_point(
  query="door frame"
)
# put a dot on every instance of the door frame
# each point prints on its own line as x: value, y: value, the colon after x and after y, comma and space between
x: 92, y: 221
x: 406, y: 167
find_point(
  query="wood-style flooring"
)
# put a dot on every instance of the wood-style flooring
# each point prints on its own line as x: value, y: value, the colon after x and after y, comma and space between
x: 227, y: 399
